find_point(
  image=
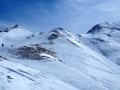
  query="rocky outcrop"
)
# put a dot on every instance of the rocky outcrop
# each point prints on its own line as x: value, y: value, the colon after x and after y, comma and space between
x: 32, y: 53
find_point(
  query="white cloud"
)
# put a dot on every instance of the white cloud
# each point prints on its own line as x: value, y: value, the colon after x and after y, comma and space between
x: 109, y: 7
x: 83, y: 14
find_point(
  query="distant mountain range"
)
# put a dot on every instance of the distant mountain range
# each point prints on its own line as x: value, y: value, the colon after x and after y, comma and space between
x: 60, y: 59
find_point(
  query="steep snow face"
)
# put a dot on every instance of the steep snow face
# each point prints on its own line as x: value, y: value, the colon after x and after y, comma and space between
x: 75, y: 54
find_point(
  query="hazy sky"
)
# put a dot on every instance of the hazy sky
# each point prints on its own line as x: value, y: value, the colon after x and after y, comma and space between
x: 43, y: 15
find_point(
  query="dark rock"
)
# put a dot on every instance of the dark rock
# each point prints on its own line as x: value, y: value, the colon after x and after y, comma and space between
x: 53, y: 36
x: 16, y: 26
x: 95, y: 28
x: 99, y: 39
x: 32, y: 53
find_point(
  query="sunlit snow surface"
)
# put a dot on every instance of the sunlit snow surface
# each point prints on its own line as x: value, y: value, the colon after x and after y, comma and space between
x: 75, y: 67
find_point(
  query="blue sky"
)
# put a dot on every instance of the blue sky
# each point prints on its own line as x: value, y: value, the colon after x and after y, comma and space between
x: 43, y: 15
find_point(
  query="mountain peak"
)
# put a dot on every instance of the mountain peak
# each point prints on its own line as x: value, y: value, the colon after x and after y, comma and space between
x: 15, y: 31
x: 57, y: 30
x: 103, y: 26
x: 55, y: 33
x: 16, y: 26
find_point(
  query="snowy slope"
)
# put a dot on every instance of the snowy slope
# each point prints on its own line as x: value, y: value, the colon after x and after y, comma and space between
x: 104, y: 38
x: 15, y: 31
x: 75, y: 66
x: 14, y: 76
x: 13, y: 35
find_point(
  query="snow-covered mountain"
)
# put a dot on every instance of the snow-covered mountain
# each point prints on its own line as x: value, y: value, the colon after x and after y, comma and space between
x: 105, y: 39
x: 13, y: 35
x: 61, y: 60
x: 16, y: 31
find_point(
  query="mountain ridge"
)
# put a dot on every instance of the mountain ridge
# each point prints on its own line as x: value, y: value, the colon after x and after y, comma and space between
x: 77, y: 62
x: 98, y: 27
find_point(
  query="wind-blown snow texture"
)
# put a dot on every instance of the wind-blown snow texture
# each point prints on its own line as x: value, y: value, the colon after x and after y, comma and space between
x: 62, y: 60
